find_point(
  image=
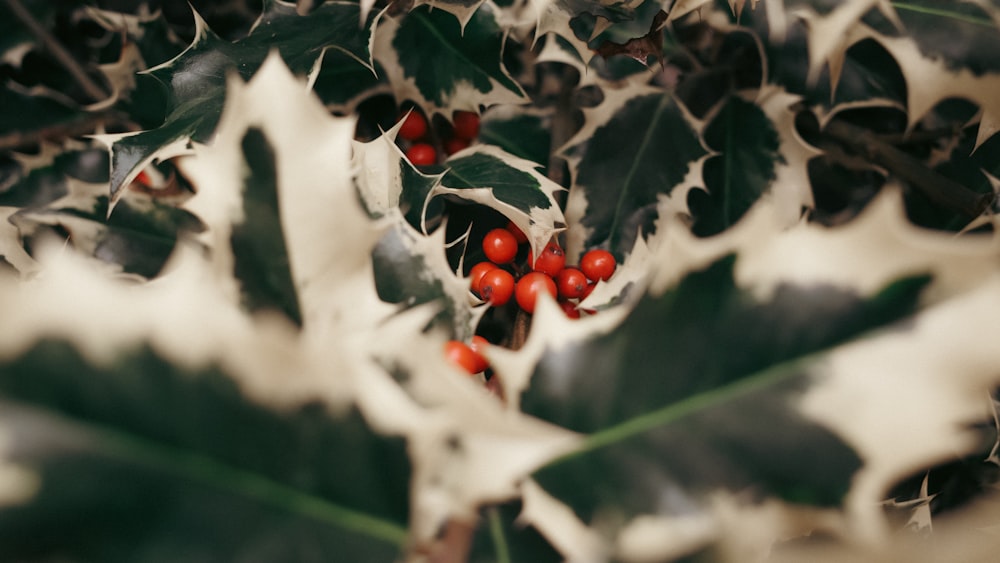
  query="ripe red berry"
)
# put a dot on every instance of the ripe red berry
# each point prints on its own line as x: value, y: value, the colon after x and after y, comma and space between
x: 453, y: 145
x: 571, y: 283
x: 528, y: 288
x: 570, y: 309
x: 517, y: 232
x: 144, y: 179
x: 598, y: 264
x: 476, y: 275
x: 588, y: 290
x: 421, y: 154
x: 500, y: 246
x: 463, y: 356
x: 550, y: 262
x: 414, y: 126
x: 497, y: 286
x: 466, y: 125
x: 478, y: 345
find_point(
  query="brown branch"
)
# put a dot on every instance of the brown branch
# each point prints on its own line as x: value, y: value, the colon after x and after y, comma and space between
x: 939, y: 189
x: 93, y: 90
x: 85, y: 125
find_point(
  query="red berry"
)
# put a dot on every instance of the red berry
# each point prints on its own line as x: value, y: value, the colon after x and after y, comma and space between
x: 478, y: 344
x: 476, y: 275
x: 500, y: 246
x: 571, y: 282
x: 453, y: 145
x: 421, y: 154
x: 598, y: 264
x: 497, y: 286
x: 529, y: 286
x: 462, y: 356
x: 414, y: 127
x: 144, y: 179
x: 517, y: 232
x: 570, y: 309
x: 466, y: 125
x: 588, y: 290
x: 550, y: 262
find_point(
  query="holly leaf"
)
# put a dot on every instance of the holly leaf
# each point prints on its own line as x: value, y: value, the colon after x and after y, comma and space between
x: 501, y: 537
x: 667, y: 432
x: 487, y: 175
x: 70, y: 195
x: 411, y: 269
x: 280, y: 205
x: 180, y: 400
x: 755, y: 156
x: 522, y: 132
x: 638, y: 146
x: 465, y: 71
x: 195, y: 80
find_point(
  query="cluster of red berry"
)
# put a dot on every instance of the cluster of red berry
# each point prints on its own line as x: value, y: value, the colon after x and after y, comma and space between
x: 494, y: 281
x: 414, y: 134
x: 547, y: 273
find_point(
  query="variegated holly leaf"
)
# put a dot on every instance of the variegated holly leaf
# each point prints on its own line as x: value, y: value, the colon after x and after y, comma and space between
x: 431, y: 59
x: 195, y: 80
x: 954, y: 48
x: 119, y: 395
x: 410, y: 267
x: 463, y: 10
x: 638, y: 146
x: 501, y: 536
x: 523, y: 132
x: 755, y: 156
x: 278, y: 198
x: 676, y: 424
x: 513, y: 186
x: 69, y: 195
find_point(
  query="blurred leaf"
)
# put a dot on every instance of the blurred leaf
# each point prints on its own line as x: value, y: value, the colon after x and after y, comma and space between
x: 669, y: 416
x: 141, y: 459
x: 259, y: 249
x: 500, y: 537
x: 742, y: 172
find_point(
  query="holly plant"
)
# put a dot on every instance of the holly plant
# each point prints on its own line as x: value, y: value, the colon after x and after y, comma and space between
x: 499, y: 280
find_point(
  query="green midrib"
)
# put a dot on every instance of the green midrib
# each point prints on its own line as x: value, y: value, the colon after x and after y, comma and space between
x: 204, y: 469
x: 942, y: 12
x: 647, y: 140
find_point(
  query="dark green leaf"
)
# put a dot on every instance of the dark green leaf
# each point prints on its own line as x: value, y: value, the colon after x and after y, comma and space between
x: 141, y: 460
x: 695, y: 391
x: 500, y: 538
x: 510, y: 185
x: 466, y: 58
x: 261, y: 257
x: 744, y: 170
x: 642, y: 152
x: 524, y: 135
